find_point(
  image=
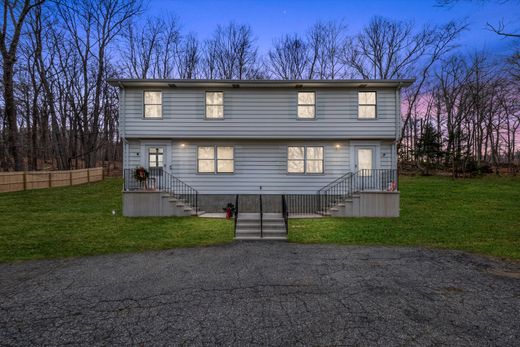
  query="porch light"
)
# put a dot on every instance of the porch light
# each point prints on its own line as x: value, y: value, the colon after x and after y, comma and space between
x: 338, y: 146
x: 183, y: 145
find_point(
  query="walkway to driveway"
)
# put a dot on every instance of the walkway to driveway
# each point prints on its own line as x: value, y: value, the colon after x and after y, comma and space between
x: 263, y: 294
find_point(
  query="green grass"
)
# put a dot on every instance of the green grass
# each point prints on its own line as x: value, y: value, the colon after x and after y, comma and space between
x: 479, y: 215
x: 76, y: 221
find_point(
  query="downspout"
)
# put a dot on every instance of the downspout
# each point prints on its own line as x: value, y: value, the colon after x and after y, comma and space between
x: 397, y: 131
x: 122, y: 125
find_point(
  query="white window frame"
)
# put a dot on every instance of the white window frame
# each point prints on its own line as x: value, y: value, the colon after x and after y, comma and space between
x: 156, y: 156
x: 305, y: 159
x: 215, y: 160
x: 305, y: 105
x: 206, y: 105
x: 360, y: 104
x: 144, y: 103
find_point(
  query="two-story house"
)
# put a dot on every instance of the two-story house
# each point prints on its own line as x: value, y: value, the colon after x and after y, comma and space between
x: 326, y: 147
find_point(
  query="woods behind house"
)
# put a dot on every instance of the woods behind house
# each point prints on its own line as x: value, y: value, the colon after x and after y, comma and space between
x: 58, y: 112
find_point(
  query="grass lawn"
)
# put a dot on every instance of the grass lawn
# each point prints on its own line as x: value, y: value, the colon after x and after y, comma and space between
x: 479, y: 215
x: 75, y: 221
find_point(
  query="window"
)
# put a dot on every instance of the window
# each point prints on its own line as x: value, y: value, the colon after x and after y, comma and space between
x: 214, y: 105
x: 367, y: 105
x: 152, y: 104
x: 306, y: 105
x: 155, y: 157
x: 216, y: 159
x: 305, y: 159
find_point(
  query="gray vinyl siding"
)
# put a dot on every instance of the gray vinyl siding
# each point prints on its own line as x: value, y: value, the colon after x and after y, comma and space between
x: 133, y: 159
x: 258, y: 164
x: 260, y: 113
x: 386, y: 156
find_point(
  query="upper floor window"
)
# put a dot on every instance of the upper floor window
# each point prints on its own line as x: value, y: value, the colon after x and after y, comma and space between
x: 367, y: 105
x: 306, y: 105
x: 152, y: 104
x: 215, y: 159
x: 214, y: 105
x: 305, y: 159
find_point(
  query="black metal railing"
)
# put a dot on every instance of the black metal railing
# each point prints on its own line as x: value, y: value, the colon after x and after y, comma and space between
x: 285, y: 214
x: 161, y: 180
x: 261, y: 218
x: 236, y: 214
x: 363, y: 180
x: 302, y: 204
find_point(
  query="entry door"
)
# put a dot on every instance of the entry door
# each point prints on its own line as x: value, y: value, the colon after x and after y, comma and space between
x: 156, y: 162
x: 365, y: 163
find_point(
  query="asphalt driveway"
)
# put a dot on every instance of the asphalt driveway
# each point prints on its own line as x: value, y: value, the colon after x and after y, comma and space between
x: 263, y: 294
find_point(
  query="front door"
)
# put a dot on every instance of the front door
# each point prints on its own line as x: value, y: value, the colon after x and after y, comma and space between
x: 156, y: 163
x: 364, y: 165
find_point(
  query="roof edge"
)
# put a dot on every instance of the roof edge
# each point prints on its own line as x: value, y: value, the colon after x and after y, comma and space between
x: 223, y: 83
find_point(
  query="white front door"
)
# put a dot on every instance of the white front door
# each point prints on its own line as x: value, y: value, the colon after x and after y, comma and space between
x: 365, y: 165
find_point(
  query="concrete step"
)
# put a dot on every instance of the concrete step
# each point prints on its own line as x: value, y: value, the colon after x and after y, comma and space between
x: 250, y: 224
x: 257, y: 231
x: 258, y: 238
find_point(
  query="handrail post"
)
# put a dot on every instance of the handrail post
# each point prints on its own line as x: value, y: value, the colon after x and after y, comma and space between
x: 261, y: 219
x: 236, y: 214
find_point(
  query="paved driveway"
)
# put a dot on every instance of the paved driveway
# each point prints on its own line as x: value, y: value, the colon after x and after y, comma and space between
x: 263, y: 294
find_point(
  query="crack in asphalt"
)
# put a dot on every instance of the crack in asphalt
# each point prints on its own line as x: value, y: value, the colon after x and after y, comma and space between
x: 263, y: 293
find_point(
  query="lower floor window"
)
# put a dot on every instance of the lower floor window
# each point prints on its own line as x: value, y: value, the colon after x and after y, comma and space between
x: 305, y: 159
x: 215, y: 159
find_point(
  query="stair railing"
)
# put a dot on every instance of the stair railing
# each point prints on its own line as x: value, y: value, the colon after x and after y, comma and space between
x: 362, y: 180
x: 334, y: 192
x: 236, y: 214
x: 285, y: 214
x: 261, y: 218
x: 161, y: 180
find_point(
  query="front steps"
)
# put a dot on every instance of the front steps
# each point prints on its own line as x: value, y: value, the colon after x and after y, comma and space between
x: 248, y: 227
x: 179, y: 207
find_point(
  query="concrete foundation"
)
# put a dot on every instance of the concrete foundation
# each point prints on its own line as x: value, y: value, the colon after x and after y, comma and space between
x: 248, y: 203
x: 152, y: 204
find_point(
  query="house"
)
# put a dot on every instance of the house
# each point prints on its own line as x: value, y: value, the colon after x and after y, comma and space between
x: 310, y: 147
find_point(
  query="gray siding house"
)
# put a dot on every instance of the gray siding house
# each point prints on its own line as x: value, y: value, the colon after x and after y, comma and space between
x: 203, y: 142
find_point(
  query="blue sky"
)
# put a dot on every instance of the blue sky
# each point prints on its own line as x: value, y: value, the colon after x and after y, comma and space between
x: 270, y: 19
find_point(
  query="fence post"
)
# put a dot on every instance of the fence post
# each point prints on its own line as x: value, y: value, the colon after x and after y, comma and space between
x: 50, y: 180
x: 24, y: 175
x: 88, y: 175
x: 70, y: 177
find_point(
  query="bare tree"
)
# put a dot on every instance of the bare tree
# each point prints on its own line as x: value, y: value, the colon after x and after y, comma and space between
x: 91, y: 27
x: 13, y: 20
x: 231, y: 53
x: 326, y: 42
x: 288, y: 59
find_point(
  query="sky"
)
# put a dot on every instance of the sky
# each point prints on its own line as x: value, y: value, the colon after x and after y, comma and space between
x: 270, y: 19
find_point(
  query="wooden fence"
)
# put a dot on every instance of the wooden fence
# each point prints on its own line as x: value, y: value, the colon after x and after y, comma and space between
x: 14, y: 181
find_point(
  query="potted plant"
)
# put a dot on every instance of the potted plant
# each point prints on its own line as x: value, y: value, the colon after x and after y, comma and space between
x: 230, y: 210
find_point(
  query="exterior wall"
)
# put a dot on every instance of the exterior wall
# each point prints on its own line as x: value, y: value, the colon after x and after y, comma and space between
x: 268, y: 113
x: 257, y: 163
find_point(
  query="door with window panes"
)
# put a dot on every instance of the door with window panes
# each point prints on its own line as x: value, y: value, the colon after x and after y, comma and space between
x: 156, y: 162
